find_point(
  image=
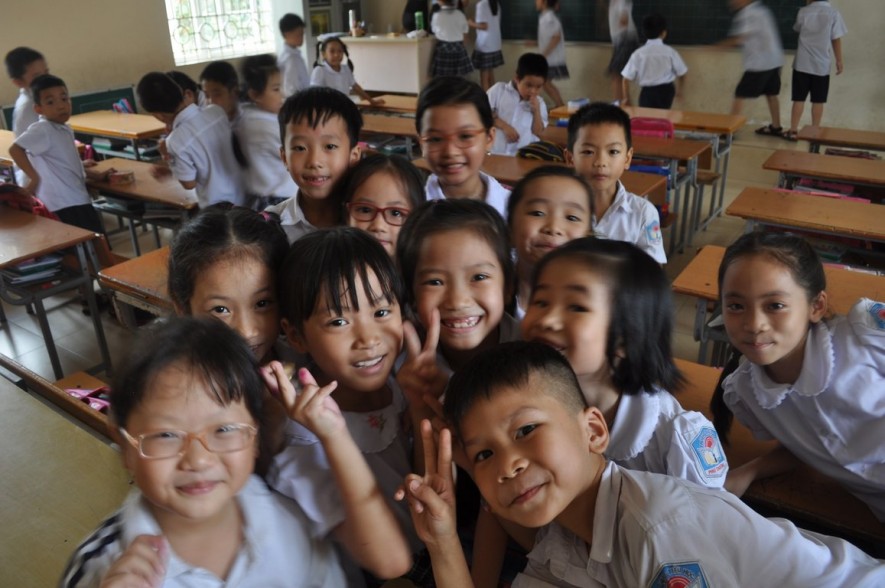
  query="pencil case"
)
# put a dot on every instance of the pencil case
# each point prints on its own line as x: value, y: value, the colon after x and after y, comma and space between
x: 121, y: 177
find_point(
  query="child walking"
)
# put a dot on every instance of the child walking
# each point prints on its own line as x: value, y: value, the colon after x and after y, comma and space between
x: 449, y: 25
x: 656, y: 67
x: 625, y: 40
x: 291, y: 62
x: 328, y: 70
x: 221, y: 85
x: 487, y: 51
x: 551, y: 42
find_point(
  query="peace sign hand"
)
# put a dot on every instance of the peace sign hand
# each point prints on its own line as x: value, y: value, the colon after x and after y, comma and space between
x: 312, y: 406
x: 420, y: 375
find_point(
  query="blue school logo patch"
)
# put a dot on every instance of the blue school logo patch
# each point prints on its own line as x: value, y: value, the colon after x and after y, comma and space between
x: 877, y: 311
x: 653, y: 232
x: 687, y: 574
x: 709, y: 452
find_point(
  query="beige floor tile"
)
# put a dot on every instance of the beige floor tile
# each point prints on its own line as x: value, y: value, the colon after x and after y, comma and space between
x: 16, y: 340
x: 38, y: 361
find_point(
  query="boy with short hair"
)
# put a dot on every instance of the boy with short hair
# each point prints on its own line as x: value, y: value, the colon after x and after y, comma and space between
x: 520, y: 114
x: 319, y: 129
x: 655, y: 67
x: 536, y: 451
x: 23, y: 65
x: 600, y: 149
x: 290, y: 60
x: 199, y: 148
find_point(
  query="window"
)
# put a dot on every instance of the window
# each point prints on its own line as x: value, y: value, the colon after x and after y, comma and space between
x: 208, y: 30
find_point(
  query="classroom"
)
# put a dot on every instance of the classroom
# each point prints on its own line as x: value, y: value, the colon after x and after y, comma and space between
x: 67, y: 468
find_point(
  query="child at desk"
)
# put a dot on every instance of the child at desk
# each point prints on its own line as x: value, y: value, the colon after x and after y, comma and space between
x: 329, y: 70
x: 221, y: 85
x: 599, y: 148
x: 193, y: 94
x: 319, y: 130
x: 657, y: 68
x: 520, y: 114
x: 290, y: 60
x: 23, y: 65
x: 814, y: 385
x: 551, y: 43
x: 449, y: 25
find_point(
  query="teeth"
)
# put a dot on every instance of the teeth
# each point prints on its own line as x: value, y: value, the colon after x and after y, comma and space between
x: 369, y: 362
x: 462, y: 323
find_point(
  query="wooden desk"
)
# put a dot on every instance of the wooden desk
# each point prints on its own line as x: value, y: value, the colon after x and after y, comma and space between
x: 396, y: 126
x: 797, y: 164
x: 24, y: 236
x: 118, y: 125
x: 6, y: 140
x: 58, y: 483
x: 393, y: 103
x: 849, y: 138
x: 139, y: 283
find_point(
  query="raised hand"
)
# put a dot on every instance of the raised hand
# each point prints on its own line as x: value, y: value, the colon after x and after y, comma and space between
x: 312, y: 406
x: 142, y: 565
x: 421, y: 375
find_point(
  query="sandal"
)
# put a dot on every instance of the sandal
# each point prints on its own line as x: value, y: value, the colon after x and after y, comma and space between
x: 790, y: 136
x: 770, y: 130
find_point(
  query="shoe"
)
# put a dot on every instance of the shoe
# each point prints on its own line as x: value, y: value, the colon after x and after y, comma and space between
x: 770, y: 130
x: 790, y: 136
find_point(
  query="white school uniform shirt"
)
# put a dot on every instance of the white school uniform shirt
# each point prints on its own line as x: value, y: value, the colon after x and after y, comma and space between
x: 292, y: 218
x: 833, y: 417
x: 509, y: 106
x: 654, y: 64
x: 489, y: 40
x: 548, y: 27
x: 818, y: 24
x: 23, y: 115
x: 633, y: 219
x: 616, y: 8
x: 761, y: 46
x: 259, y: 134
x: 276, y: 549
x: 293, y: 69
x: 496, y: 194
x: 201, y: 149
x: 450, y: 25
x: 653, y: 433
x: 324, y: 75
x: 654, y: 531
x: 52, y: 152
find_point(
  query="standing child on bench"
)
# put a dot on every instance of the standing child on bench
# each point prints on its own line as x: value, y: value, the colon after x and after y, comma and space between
x: 657, y: 68
x: 551, y: 44
x: 487, y: 52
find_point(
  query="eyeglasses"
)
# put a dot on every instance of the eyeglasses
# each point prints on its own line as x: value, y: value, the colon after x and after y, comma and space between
x: 463, y: 139
x: 225, y: 438
x: 393, y: 215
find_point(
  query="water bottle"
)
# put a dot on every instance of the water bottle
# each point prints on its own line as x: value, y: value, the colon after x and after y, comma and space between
x: 419, y: 20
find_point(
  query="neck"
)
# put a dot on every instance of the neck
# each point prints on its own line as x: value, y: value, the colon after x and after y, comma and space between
x: 578, y: 515
x: 602, y: 395
x: 350, y: 400
x: 788, y: 369
x: 335, y: 67
x: 318, y: 212
x: 602, y: 201
x: 471, y: 189
x: 457, y: 358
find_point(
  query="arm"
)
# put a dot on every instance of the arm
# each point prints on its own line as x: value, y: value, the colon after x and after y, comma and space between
x: 554, y: 41
x: 777, y: 461
x: 358, y: 90
x: 625, y: 91
x: 509, y: 132
x: 837, y: 53
x: 483, y: 26
x: 538, y: 122
x: 680, y: 86
x: 20, y: 157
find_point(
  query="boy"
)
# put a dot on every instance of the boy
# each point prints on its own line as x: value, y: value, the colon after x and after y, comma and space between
x: 520, y: 115
x: 600, y: 149
x: 23, y: 64
x: 536, y: 453
x: 820, y: 26
x: 625, y: 40
x: 754, y: 29
x: 655, y: 67
x: 290, y: 60
x: 319, y: 128
x: 551, y: 42
x: 199, y: 148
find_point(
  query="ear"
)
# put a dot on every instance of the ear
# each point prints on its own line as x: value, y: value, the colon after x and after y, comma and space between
x: 355, y: 154
x: 569, y: 158
x: 252, y: 94
x: 283, y: 156
x: 490, y: 140
x: 179, y: 309
x: 595, y: 429
x: 819, y: 307
x: 294, y: 336
x: 629, y: 156
x: 38, y: 109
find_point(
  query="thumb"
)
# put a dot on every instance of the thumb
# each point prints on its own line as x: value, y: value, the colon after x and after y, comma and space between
x: 428, y: 497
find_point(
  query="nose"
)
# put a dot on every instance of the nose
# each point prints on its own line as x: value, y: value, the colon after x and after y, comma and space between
x: 246, y: 325
x: 196, y: 455
x: 552, y: 225
x: 457, y: 295
x: 367, y: 334
x: 511, y: 466
x: 549, y: 319
x: 755, y: 321
x: 378, y: 224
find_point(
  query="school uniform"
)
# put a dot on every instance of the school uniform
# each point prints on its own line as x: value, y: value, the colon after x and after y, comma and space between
x: 655, y: 66
x: 635, y: 220
x: 548, y: 27
x: 762, y: 51
x: 625, y: 39
x: 449, y: 25
x: 293, y: 69
x: 276, y: 549
x: 496, y: 194
x: 23, y: 114
x: 324, y: 75
x: 509, y: 106
x: 487, y: 49
x: 200, y: 149
x: 818, y: 24
x: 653, y: 530
x: 292, y: 218
x: 653, y: 433
x: 832, y: 417
x: 266, y: 177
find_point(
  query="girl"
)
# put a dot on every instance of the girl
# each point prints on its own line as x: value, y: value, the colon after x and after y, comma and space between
x: 222, y: 87
x: 487, y: 52
x: 449, y: 25
x: 551, y: 42
x: 328, y: 70
x: 456, y: 129
x: 192, y: 92
x: 813, y: 385
x: 267, y: 180
x: 549, y: 207
x: 379, y: 193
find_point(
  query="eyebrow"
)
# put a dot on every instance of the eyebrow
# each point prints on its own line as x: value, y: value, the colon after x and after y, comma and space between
x: 482, y: 264
x: 772, y: 294
x: 541, y: 200
x: 467, y: 442
x: 570, y: 287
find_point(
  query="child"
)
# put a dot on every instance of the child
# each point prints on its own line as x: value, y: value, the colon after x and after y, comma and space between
x: 599, y: 147
x: 487, y: 51
x: 654, y: 66
x: 537, y: 455
x: 319, y: 129
x: 191, y: 90
x: 551, y: 42
x: 379, y: 193
x: 222, y: 88
x: 803, y: 380
x: 23, y: 65
x: 456, y: 129
x: 449, y: 25
x: 328, y: 71
x: 200, y: 145
x: 520, y: 114
x: 548, y: 208
x: 755, y: 30
x: 266, y: 179
x: 290, y: 60
x: 820, y: 26
x: 625, y: 41
x: 187, y: 409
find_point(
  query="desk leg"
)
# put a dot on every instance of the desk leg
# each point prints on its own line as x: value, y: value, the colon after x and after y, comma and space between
x: 84, y: 250
x: 47, y: 338
x: 700, y: 321
x: 135, y: 150
x: 814, y: 147
x: 692, y: 188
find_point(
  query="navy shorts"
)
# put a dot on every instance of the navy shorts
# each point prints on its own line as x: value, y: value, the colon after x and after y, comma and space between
x: 757, y: 83
x: 805, y: 83
x: 83, y: 216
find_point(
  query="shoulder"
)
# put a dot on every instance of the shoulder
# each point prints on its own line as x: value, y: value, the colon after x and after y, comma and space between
x: 95, y: 554
x: 867, y: 322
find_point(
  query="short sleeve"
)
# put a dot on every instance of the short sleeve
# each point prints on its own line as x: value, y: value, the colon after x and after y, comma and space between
x: 35, y: 140
x: 695, y: 452
x: 679, y: 65
x: 183, y: 167
x: 839, y: 29
x: 731, y: 395
x: 465, y: 28
x: 629, y: 70
x: 544, y: 117
x: 317, y: 77
x: 739, y: 26
x: 651, y: 239
x: 434, y: 24
x: 495, y: 93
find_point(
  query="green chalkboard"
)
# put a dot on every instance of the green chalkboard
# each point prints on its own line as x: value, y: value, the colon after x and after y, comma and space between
x: 87, y: 102
x: 690, y: 22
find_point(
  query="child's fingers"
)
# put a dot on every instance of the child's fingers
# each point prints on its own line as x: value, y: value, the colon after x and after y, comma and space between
x: 427, y: 498
x: 430, y: 455
x: 411, y: 339
x: 432, y: 341
x: 444, y: 451
x: 436, y: 406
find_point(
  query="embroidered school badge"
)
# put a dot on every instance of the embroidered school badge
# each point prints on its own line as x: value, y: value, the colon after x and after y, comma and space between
x: 877, y: 311
x: 709, y: 452
x: 680, y: 575
x: 653, y: 232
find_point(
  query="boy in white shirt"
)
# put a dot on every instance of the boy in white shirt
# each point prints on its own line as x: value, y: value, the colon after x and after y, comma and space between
x: 520, y: 114
x: 655, y: 67
x: 290, y: 60
x: 551, y: 43
x: 23, y: 65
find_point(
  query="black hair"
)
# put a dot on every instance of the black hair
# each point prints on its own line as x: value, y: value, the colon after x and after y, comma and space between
x: 321, y: 48
x: 45, y: 82
x: 318, y: 105
x: 439, y: 216
x: 409, y: 177
x: 638, y: 345
x: 546, y: 171
x: 222, y: 73
x: 598, y: 113
x: 290, y: 22
x: 454, y: 91
x: 654, y: 25
x: 185, y: 82
x: 532, y: 64
x: 327, y: 262
x: 159, y: 93
x: 493, y: 4
x: 18, y: 60
x: 511, y: 365
x: 551, y: 3
x: 257, y: 70
x: 221, y: 231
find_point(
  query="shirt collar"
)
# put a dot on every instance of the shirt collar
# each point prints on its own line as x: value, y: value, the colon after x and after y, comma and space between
x: 655, y: 42
x: 189, y: 112
x: 620, y: 203
x: 496, y: 194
